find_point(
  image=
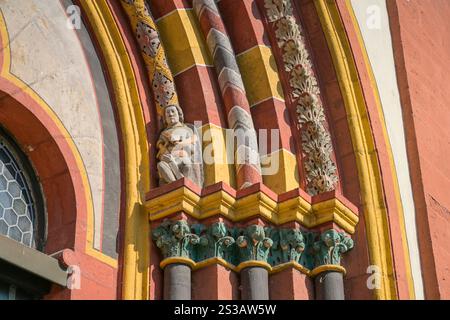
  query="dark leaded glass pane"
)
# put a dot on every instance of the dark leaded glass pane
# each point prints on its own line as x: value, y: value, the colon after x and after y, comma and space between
x: 14, y: 190
x: 20, y: 207
x: 4, y: 291
x: 9, y: 172
x: 15, y: 233
x: 16, y: 206
x: 21, y: 182
x: 3, y: 227
x: 6, y: 199
x: 3, y: 156
x: 10, y: 217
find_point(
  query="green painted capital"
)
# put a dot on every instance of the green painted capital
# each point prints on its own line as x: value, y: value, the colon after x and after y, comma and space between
x: 198, y: 242
x: 330, y: 247
x: 292, y: 244
x: 253, y: 244
x: 215, y: 241
x: 175, y: 239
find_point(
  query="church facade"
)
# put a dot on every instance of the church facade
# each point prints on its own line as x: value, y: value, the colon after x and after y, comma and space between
x: 224, y: 150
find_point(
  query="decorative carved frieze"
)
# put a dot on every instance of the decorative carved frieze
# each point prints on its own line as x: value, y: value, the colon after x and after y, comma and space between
x: 275, y: 246
x: 175, y: 239
x: 321, y: 172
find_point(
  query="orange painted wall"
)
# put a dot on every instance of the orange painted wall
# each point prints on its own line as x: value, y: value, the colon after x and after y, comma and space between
x: 421, y: 38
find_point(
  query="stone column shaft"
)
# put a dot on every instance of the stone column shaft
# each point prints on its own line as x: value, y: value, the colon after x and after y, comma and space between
x: 330, y: 286
x: 255, y: 283
x: 177, y: 282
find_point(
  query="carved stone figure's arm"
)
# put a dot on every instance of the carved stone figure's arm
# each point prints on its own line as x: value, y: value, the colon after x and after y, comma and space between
x: 161, y: 145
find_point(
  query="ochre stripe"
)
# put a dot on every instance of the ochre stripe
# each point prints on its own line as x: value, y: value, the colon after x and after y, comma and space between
x: 375, y: 211
x: 389, y: 153
x: 135, y: 147
x: 296, y: 207
x: 214, y: 145
x: 286, y: 176
x: 183, y: 41
x: 260, y: 74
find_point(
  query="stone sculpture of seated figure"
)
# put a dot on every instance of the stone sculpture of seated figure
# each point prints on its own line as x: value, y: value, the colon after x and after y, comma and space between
x: 179, y: 149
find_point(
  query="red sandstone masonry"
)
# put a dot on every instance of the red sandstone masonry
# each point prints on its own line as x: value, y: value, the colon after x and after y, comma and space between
x: 242, y: 19
x: 222, y: 283
x: 215, y: 282
x: 160, y: 8
x: 422, y: 50
x: 383, y: 158
x: 291, y: 284
x: 198, y: 93
x: 246, y: 30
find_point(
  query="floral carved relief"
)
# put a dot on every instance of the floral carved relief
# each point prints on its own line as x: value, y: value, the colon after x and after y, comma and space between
x: 321, y: 171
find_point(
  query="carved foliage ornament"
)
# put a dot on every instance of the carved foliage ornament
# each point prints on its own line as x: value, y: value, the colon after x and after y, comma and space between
x: 215, y: 241
x: 331, y: 246
x: 253, y: 243
x: 321, y: 172
x: 174, y: 239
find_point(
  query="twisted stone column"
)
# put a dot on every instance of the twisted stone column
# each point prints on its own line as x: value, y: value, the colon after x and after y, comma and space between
x: 247, y: 161
x: 147, y: 36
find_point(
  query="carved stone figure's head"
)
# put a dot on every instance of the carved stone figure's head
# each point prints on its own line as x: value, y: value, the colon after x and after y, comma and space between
x: 173, y: 115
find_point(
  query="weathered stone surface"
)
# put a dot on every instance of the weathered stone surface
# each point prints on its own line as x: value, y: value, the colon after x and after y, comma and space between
x: 330, y: 286
x: 255, y: 284
x: 179, y: 149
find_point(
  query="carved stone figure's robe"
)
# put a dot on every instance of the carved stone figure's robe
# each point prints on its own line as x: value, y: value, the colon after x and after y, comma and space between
x: 180, y: 154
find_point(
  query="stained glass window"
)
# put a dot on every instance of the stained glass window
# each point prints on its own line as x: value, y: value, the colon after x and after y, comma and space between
x: 17, y: 207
